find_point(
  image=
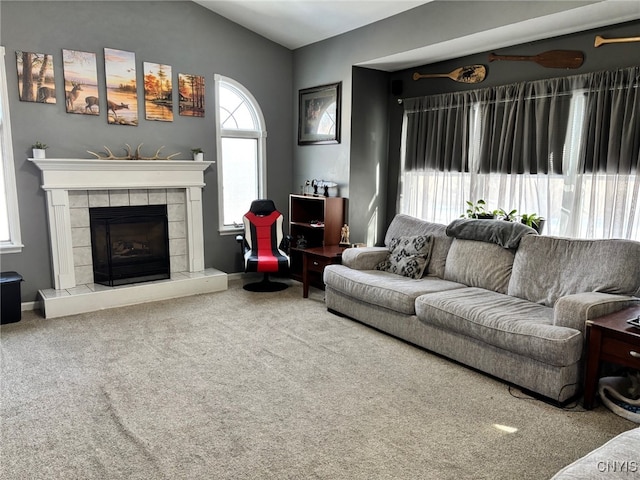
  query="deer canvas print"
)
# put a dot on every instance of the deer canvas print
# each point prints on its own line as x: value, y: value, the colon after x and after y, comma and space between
x: 80, y: 82
x: 36, y: 82
x: 191, y: 91
x: 122, y: 96
x: 158, y: 92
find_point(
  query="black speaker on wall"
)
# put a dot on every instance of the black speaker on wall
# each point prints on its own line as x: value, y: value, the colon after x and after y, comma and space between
x: 396, y: 88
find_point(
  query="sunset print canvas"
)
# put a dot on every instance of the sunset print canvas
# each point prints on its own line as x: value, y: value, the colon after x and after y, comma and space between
x: 158, y: 92
x: 122, y: 97
x: 191, y: 89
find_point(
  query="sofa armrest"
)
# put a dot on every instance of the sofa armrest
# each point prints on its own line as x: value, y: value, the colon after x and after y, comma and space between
x: 364, y: 258
x: 574, y: 310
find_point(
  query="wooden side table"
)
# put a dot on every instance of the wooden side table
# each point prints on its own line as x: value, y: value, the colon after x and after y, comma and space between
x: 313, y: 262
x: 610, y: 338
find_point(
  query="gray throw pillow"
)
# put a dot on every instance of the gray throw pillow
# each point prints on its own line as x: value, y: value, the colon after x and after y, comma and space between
x: 408, y: 256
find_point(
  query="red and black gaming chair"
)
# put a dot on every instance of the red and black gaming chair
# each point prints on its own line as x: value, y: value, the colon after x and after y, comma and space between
x: 264, y: 245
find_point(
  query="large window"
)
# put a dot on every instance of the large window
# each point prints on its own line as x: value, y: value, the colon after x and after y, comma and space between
x: 241, y: 137
x: 10, y: 241
x: 567, y: 149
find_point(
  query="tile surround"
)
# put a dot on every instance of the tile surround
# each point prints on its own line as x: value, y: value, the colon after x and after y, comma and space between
x: 81, y: 200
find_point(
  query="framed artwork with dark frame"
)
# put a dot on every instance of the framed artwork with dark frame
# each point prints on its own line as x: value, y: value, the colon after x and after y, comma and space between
x: 319, y: 115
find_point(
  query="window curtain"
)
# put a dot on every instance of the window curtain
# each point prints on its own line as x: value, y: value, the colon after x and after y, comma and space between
x: 567, y: 149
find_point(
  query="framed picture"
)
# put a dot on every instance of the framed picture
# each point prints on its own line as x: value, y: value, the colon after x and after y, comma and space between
x: 35, y: 77
x: 319, y: 115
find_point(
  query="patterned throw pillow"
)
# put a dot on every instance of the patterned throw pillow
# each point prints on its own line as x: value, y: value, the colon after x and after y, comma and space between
x: 409, y: 256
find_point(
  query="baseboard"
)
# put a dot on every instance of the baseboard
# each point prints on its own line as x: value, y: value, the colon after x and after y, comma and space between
x: 26, y: 306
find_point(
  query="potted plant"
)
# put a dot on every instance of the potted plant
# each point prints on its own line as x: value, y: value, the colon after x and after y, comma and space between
x: 504, y: 215
x: 533, y: 220
x: 477, y: 210
x: 39, y: 150
x: 198, y: 154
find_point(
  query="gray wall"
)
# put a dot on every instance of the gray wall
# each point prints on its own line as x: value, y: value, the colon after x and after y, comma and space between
x: 332, y: 61
x: 182, y: 34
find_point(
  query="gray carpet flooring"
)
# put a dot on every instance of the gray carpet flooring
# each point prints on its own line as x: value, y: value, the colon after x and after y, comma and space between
x: 241, y: 385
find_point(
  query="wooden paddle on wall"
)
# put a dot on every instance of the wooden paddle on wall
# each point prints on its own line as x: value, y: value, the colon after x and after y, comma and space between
x: 468, y: 74
x: 601, y: 41
x: 550, y: 59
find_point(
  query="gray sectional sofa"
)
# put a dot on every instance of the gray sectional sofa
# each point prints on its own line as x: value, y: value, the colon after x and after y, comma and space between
x: 516, y: 313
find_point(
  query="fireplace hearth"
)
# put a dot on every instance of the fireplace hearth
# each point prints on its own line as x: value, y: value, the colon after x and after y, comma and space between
x: 129, y: 244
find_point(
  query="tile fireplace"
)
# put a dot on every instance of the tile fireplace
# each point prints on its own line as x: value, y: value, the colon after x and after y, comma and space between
x: 129, y: 244
x: 75, y: 187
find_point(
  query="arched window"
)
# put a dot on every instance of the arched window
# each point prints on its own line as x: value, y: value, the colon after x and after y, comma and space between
x: 241, y: 144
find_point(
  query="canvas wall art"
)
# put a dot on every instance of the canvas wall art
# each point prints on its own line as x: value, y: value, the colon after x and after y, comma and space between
x: 36, y: 82
x: 122, y: 96
x: 80, y: 82
x: 158, y: 92
x: 191, y: 90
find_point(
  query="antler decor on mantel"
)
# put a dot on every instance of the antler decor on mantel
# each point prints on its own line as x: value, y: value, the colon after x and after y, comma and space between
x: 132, y: 156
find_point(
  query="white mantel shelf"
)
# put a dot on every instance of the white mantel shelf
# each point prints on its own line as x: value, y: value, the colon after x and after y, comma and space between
x: 94, y: 174
x: 61, y: 175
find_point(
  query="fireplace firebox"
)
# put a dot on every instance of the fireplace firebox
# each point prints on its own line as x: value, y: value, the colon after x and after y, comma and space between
x: 129, y: 244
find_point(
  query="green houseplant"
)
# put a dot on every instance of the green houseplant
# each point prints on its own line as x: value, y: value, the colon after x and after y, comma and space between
x: 198, y: 154
x: 533, y: 220
x: 504, y: 215
x: 477, y: 210
x: 39, y: 149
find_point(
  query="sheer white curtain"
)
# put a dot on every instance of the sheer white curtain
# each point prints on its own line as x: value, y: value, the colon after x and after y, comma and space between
x: 567, y: 149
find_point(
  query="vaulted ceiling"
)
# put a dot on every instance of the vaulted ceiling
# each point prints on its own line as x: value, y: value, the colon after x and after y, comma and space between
x: 297, y: 23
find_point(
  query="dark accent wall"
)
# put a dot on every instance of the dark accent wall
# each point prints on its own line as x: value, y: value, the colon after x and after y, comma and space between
x: 182, y: 34
x: 368, y: 158
x: 606, y: 57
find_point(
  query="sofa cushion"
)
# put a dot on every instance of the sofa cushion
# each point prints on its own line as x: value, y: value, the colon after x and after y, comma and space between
x: 503, y: 321
x: 616, y: 459
x: 364, y: 258
x: 479, y: 264
x: 406, y: 225
x: 383, y: 289
x: 408, y: 256
x: 547, y: 268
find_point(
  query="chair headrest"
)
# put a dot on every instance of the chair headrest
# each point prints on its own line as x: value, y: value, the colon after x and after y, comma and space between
x: 262, y: 207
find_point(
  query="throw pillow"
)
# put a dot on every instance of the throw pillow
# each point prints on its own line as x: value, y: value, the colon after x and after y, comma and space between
x: 408, y: 256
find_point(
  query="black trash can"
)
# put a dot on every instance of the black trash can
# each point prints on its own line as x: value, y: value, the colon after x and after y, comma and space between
x: 10, y: 308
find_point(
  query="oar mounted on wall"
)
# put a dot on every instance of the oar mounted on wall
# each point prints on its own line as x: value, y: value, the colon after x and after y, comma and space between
x: 550, y: 59
x: 601, y: 40
x: 468, y: 74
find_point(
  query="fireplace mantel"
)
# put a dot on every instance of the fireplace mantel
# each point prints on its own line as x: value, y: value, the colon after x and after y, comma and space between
x: 61, y: 175
x: 94, y: 174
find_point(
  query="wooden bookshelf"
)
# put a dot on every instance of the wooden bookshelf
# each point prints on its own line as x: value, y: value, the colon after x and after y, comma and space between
x: 318, y: 219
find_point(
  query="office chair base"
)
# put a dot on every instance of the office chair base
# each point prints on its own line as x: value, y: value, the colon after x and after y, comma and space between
x: 265, y: 285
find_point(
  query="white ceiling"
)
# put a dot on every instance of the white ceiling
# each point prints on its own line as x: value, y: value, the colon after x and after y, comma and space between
x: 296, y: 23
